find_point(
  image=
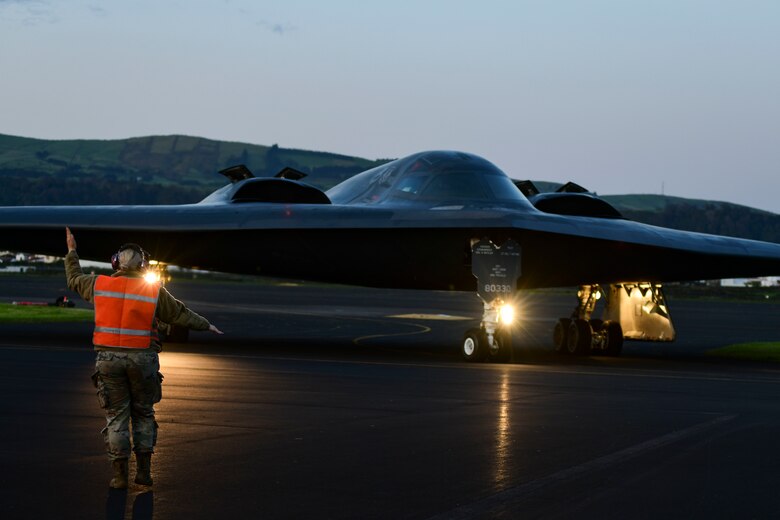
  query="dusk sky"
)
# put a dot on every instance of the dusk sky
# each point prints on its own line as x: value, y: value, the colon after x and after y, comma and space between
x: 619, y: 96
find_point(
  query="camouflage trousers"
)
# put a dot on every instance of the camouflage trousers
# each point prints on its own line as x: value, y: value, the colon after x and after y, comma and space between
x: 128, y: 385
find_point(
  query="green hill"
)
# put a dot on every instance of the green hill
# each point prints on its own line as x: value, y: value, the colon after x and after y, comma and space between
x: 704, y: 216
x: 147, y: 170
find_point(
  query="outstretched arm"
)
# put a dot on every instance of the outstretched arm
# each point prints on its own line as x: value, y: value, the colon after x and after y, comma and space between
x: 170, y: 310
x: 70, y: 240
x: 84, y: 284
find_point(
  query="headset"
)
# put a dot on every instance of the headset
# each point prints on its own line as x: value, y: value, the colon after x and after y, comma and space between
x: 135, y: 247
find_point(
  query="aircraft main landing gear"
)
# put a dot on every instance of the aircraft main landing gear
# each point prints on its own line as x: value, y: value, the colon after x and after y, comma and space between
x: 633, y: 311
x: 582, y: 335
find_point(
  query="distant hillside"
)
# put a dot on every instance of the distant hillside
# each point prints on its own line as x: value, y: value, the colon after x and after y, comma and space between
x: 718, y: 218
x: 147, y: 170
x: 656, y: 203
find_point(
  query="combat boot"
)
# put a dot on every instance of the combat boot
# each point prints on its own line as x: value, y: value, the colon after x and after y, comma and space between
x: 120, y: 474
x: 143, y: 473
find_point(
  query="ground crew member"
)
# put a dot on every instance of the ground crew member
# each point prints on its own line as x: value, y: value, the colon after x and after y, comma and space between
x: 127, y: 377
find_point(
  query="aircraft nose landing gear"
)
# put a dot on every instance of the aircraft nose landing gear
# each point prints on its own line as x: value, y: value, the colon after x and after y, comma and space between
x: 497, y: 270
x: 493, y: 338
x: 473, y: 348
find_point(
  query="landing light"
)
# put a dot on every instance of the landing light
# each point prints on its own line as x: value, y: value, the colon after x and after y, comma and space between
x: 506, y: 314
x: 152, y: 276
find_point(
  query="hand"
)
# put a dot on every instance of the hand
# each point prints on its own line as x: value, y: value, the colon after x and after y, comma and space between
x: 215, y: 330
x: 70, y: 240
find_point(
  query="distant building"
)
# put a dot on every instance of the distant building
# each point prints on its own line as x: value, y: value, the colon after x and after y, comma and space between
x: 764, y: 281
x: 17, y: 269
x: 7, y: 257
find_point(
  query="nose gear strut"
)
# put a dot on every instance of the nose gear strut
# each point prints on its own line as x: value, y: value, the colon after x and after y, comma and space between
x: 497, y: 270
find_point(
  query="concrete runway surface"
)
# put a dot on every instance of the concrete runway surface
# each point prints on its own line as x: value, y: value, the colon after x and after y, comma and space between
x: 318, y: 404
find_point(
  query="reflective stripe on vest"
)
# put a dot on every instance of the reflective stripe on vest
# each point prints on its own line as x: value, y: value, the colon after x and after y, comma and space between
x: 125, y: 312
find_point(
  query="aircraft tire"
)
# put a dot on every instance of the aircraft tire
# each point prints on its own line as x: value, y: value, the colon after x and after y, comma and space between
x: 504, y: 351
x: 614, y: 338
x: 580, y: 338
x: 561, y: 335
x: 474, y: 345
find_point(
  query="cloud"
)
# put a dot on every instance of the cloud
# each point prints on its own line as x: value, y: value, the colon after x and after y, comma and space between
x: 97, y: 10
x: 36, y: 12
x: 30, y: 4
x: 277, y: 28
x: 28, y: 12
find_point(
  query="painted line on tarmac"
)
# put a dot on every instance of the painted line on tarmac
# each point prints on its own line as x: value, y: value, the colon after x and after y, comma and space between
x: 341, y: 312
x: 422, y: 330
x: 504, y: 501
x: 440, y: 317
x: 331, y: 312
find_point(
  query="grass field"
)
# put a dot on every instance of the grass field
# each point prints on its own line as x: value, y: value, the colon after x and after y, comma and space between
x: 37, y: 314
x: 769, y: 351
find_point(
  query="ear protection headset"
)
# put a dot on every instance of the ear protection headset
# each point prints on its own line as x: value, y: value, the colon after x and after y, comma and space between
x: 135, y: 247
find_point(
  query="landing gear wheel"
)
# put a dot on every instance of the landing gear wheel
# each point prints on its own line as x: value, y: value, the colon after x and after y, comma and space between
x: 561, y: 335
x: 474, y: 346
x: 596, y: 324
x: 502, y: 351
x: 580, y: 338
x: 599, y: 330
x: 614, y: 344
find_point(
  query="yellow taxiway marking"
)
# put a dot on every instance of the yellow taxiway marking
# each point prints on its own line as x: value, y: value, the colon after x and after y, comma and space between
x: 443, y: 317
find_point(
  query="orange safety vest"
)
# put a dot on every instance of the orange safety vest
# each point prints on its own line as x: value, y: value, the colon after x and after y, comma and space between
x: 125, y: 312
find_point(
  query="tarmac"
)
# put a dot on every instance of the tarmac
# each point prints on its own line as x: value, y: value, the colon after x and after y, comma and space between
x: 342, y: 402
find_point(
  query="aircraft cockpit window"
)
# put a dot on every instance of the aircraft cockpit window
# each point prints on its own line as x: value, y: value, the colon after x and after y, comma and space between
x: 502, y: 187
x: 385, y: 175
x: 412, y: 184
x: 368, y: 187
x: 454, y: 186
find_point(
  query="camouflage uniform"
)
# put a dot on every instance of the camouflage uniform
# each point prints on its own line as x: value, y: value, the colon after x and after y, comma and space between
x: 129, y: 381
x: 128, y: 384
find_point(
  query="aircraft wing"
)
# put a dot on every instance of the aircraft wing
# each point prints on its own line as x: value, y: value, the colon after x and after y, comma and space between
x: 407, y: 224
